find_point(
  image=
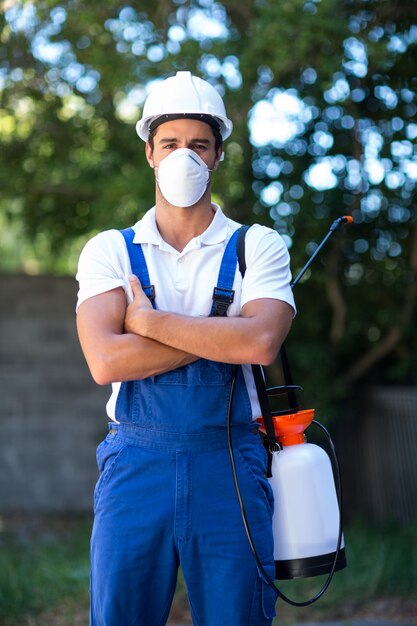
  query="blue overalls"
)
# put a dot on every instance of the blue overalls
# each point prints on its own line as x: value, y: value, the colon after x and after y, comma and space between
x: 165, y: 496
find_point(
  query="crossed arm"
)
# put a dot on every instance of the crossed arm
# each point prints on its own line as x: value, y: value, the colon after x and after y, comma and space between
x: 132, y: 342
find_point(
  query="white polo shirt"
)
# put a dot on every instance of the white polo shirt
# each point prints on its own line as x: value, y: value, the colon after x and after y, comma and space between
x: 184, y: 281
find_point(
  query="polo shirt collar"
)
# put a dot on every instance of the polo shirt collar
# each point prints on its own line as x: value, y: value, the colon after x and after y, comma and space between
x: 147, y: 230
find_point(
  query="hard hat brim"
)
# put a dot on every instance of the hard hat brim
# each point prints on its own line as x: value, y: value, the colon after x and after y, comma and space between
x: 143, y: 125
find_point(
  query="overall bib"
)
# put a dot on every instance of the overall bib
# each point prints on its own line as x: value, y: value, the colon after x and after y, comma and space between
x: 165, y: 496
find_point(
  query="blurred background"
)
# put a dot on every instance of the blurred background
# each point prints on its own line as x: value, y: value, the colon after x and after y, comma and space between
x: 323, y: 99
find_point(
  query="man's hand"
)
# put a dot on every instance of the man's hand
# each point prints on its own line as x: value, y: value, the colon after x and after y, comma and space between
x: 136, y: 310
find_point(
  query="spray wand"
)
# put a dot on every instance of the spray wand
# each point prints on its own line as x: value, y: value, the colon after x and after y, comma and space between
x: 289, y: 385
x: 345, y: 219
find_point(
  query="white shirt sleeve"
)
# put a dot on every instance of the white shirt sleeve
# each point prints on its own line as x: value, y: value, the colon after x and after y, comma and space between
x: 103, y: 265
x: 268, y: 272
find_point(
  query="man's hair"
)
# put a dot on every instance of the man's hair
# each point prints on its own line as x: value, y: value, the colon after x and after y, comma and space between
x: 218, y: 143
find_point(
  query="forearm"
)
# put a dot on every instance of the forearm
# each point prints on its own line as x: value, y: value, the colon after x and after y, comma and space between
x: 129, y: 357
x: 219, y: 339
x: 245, y: 339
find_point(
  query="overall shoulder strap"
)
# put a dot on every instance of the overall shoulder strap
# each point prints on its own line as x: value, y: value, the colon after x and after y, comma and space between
x: 223, y: 294
x: 138, y: 263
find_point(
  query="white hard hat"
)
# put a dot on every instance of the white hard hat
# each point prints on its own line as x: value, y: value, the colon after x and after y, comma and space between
x: 184, y: 94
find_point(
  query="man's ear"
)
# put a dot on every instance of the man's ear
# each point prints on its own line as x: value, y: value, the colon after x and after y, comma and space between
x: 219, y: 157
x: 149, y: 154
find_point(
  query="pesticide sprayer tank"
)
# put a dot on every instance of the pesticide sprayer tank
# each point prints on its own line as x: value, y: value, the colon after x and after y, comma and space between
x: 306, y: 516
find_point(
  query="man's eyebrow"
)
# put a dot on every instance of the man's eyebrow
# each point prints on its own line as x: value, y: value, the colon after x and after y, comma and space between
x: 174, y: 139
x: 200, y: 140
x: 167, y: 140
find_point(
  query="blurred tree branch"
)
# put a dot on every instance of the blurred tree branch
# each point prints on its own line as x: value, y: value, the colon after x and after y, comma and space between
x: 368, y: 360
x: 335, y: 295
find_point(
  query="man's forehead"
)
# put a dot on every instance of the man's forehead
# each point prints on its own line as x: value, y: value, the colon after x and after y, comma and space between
x: 184, y: 128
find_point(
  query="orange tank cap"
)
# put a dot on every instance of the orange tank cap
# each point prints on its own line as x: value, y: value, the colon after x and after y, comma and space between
x: 289, y: 429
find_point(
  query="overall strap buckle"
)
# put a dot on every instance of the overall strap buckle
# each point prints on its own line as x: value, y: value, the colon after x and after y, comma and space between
x: 223, y: 294
x: 222, y: 299
x: 149, y: 291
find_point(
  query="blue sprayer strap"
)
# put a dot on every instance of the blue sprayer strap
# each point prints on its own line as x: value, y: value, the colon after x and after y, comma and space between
x: 138, y: 263
x: 223, y: 294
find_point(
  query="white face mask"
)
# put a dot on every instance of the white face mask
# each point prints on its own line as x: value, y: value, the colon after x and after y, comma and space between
x: 183, y: 177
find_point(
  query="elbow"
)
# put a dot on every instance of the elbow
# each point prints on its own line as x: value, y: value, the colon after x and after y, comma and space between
x: 101, y: 379
x: 266, y: 348
x: 270, y: 343
x: 268, y: 359
x: 101, y: 370
x: 264, y: 352
x: 267, y: 355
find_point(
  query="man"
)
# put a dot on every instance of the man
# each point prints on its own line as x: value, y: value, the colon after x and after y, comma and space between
x: 165, y: 496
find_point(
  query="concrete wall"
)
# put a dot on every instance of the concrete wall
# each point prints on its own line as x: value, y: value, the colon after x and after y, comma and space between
x: 51, y: 412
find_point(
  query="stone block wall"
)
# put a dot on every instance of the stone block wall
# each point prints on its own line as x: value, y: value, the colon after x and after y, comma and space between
x: 51, y: 412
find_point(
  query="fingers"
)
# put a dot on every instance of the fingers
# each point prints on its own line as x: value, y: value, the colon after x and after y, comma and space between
x: 135, y: 284
x: 140, y: 299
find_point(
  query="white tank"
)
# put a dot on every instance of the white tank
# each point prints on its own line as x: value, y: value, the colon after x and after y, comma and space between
x: 306, y: 514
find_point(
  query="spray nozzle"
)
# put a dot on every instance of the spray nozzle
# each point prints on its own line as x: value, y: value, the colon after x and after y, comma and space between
x: 345, y: 219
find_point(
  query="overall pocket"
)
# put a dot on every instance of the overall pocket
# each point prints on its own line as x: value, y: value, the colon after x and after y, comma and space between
x: 108, y: 454
x: 202, y: 372
x: 253, y: 461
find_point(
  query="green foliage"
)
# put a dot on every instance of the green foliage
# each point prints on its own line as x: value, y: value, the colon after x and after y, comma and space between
x: 49, y: 571
x: 338, y: 75
x: 349, y: 64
